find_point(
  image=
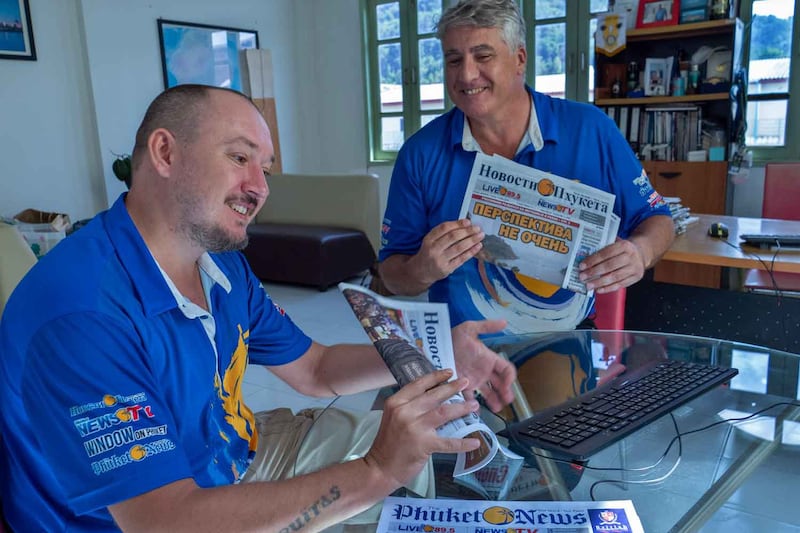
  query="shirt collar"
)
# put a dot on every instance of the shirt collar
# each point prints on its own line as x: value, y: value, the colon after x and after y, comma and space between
x: 210, y: 274
x: 152, y: 288
x: 532, y: 136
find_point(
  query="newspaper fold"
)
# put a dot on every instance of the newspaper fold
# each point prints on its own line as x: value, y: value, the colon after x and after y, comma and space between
x: 537, y: 224
x: 413, y: 338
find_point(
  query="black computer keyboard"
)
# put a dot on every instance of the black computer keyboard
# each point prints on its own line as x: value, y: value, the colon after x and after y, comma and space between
x: 765, y: 240
x: 588, y: 423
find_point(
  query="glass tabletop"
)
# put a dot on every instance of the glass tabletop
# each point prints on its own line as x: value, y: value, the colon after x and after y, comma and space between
x: 720, y: 473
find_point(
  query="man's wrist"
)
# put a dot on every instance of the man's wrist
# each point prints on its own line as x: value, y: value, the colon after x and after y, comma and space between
x: 642, y: 255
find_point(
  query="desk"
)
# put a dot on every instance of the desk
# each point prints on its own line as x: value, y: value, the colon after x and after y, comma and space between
x: 733, y: 477
x: 696, y: 247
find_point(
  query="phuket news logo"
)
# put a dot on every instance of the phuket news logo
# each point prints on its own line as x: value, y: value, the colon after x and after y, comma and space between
x: 609, y: 521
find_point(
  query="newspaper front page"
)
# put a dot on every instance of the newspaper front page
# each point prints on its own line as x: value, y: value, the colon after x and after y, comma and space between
x: 474, y: 516
x: 413, y: 338
x: 537, y: 224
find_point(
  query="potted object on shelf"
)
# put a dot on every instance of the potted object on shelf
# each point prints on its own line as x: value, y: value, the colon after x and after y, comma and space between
x: 122, y: 168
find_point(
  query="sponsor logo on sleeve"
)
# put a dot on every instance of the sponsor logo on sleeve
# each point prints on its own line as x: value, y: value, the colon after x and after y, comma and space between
x: 123, y: 415
x: 137, y: 453
x: 108, y: 400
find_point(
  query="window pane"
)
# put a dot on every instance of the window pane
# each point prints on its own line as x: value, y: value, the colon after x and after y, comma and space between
x: 424, y: 119
x: 770, y: 46
x: 391, y: 77
x: 388, y: 17
x: 431, y: 86
x: 766, y: 123
x: 391, y: 133
x: 550, y: 59
x: 548, y: 9
x: 428, y: 13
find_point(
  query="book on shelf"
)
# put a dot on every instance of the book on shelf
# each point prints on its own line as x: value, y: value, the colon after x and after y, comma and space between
x: 660, y: 133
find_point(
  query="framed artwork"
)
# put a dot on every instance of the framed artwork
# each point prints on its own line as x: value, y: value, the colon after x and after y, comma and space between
x: 198, y: 53
x: 16, y: 32
x: 657, y: 13
x: 656, y: 76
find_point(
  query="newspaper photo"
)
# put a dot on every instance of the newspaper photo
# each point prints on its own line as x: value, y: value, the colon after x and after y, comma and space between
x: 413, y: 338
x: 537, y: 224
x: 473, y: 516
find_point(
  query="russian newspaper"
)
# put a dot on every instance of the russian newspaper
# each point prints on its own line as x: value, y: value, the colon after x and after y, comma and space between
x: 473, y: 516
x: 536, y: 223
x: 413, y: 338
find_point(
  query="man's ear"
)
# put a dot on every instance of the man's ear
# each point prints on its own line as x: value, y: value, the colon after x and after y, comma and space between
x: 522, y: 59
x: 161, y: 150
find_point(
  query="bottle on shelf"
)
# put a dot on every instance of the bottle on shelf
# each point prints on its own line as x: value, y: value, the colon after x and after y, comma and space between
x: 694, y: 80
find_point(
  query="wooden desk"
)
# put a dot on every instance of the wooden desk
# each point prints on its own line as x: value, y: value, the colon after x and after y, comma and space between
x: 695, y: 247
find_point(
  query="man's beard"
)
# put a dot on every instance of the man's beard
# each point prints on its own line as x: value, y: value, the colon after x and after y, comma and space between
x: 214, y: 238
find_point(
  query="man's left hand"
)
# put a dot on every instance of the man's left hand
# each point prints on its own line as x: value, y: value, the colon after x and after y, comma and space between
x: 481, y: 365
x: 618, y: 265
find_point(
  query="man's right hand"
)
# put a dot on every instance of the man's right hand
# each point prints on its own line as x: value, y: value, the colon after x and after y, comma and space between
x: 407, y: 435
x: 445, y: 248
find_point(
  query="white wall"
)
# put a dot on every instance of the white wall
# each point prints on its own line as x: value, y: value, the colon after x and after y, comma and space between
x: 48, y: 150
x: 125, y: 62
x: 98, y: 67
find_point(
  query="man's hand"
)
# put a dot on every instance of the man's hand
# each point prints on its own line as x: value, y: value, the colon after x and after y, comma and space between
x: 407, y: 435
x: 445, y: 248
x: 620, y: 264
x: 491, y: 374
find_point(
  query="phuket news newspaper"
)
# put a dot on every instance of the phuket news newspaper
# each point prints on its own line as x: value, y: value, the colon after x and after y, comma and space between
x: 537, y: 224
x: 413, y: 338
x: 473, y: 516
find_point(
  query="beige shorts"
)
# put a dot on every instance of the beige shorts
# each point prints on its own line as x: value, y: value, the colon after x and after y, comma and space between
x: 294, y: 444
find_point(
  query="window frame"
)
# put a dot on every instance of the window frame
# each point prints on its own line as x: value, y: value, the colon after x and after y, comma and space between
x: 790, y: 151
x: 578, y: 55
x: 409, y: 39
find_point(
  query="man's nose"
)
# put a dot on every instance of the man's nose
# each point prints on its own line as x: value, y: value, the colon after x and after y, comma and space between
x: 469, y: 69
x: 257, y: 182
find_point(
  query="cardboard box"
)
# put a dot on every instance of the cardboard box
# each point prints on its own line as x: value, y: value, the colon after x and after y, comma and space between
x: 42, y: 230
x: 55, y: 221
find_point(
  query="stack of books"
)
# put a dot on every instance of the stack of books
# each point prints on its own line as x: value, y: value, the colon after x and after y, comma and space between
x: 681, y: 216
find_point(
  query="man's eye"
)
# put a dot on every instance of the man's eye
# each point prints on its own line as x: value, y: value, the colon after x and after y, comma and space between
x: 239, y: 159
x: 266, y: 172
x: 484, y: 57
x: 453, y: 62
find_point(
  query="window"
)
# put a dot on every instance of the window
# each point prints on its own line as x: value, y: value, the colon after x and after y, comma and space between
x: 405, y: 74
x: 771, y: 38
x: 561, y: 46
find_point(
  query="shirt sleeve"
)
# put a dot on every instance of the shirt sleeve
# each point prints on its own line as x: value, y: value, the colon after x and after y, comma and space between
x: 274, y: 338
x: 405, y: 222
x: 106, y: 431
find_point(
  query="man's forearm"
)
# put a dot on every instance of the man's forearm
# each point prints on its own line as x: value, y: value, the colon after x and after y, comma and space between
x: 306, y: 503
x: 653, y: 237
x: 400, y: 275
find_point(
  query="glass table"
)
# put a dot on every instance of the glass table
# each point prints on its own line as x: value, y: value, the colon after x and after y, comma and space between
x: 732, y: 476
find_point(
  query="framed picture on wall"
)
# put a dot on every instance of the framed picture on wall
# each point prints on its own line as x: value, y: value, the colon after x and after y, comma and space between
x: 16, y: 31
x: 199, y: 53
x: 657, y: 13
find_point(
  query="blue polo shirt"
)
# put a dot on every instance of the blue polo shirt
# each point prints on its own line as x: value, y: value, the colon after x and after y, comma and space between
x: 109, y: 389
x: 572, y: 140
